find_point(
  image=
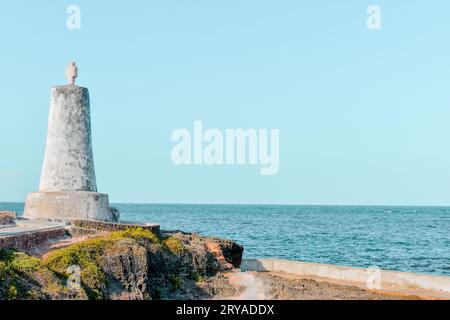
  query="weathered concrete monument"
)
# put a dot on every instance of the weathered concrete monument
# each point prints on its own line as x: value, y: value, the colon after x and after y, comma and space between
x: 68, y: 189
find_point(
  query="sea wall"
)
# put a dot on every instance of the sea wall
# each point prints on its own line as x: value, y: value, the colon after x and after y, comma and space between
x: 367, y: 278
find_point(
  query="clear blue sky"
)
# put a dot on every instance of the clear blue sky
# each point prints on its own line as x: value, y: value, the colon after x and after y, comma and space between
x: 364, y: 116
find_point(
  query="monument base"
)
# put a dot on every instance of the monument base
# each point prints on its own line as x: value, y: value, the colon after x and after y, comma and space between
x: 71, y: 205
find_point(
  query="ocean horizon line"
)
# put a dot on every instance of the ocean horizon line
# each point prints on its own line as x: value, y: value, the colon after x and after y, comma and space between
x: 267, y: 204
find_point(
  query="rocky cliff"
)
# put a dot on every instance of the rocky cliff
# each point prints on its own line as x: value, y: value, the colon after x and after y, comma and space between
x: 133, y: 263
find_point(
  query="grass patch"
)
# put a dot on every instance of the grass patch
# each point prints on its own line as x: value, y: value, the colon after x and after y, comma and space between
x: 136, y: 233
x: 87, y: 255
x: 25, y: 264
x: 16, y: 268
x: 174, y: 245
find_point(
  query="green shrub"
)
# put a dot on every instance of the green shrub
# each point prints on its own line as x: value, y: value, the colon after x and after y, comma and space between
x: 176, y: 282
x: 196, y: 277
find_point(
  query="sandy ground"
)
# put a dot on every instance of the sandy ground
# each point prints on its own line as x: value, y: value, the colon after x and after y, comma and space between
x: 275, y: 286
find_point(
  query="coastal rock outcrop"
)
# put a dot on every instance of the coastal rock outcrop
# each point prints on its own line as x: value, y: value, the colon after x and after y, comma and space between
x: 131, y: 264
x: 126, y: 269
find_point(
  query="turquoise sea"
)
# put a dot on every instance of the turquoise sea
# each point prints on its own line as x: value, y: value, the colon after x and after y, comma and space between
x: 414, y: 239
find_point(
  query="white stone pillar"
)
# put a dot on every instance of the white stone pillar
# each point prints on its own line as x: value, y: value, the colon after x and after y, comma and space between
x: 68, y: 188
x: 69, y: 162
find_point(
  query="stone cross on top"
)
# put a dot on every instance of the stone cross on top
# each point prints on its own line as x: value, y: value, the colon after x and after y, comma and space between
x: 71, y: 73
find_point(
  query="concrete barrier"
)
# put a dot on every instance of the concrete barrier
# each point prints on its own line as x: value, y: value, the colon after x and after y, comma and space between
x: 368, y: 278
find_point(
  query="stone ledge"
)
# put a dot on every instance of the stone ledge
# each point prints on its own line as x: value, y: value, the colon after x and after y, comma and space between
x: 28, y: 240
x: 81, y: 232
x: 114, y: 226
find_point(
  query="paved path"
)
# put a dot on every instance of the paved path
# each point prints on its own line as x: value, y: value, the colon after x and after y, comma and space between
x: 27, y: 226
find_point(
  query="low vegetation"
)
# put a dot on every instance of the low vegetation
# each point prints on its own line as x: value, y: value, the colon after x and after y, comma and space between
x: 176, y: 282
x: 174, y: 245
x: 89, y: 256
x: 18, y: 272
x: 53, y: 272
x: 196, y: 277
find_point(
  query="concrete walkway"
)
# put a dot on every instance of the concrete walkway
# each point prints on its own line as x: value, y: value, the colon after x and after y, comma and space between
x: 29, y: 226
